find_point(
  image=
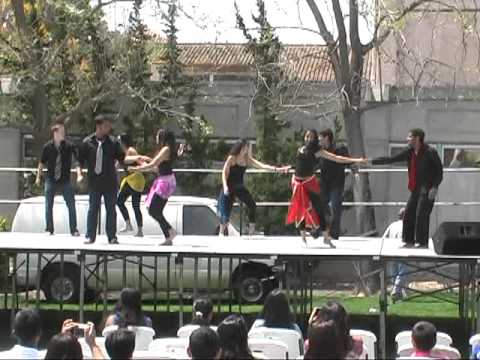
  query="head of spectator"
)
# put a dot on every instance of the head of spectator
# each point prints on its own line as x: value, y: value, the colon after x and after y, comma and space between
x: 276, y: 310
x: 202, y: 312
x: 324, y: 341
x: 233, y: 334
x: 334, y: 311
x: 401, y: 213
x: 27, y: 328
x: 64, y: 346
x: 128, y: 311
x: 424, y: 338
x: 120, y: 344
x: 203, y: 344
x: 103, y: 125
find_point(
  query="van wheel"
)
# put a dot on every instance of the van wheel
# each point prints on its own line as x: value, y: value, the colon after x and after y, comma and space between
x: 57, y: 288
x: 253, y: 286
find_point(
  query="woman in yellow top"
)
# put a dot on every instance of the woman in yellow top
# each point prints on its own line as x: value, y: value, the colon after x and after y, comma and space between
x: 132, y: 185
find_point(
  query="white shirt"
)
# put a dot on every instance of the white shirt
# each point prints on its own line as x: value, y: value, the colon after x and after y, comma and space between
x: 394, y: 230
x: 20, y: 352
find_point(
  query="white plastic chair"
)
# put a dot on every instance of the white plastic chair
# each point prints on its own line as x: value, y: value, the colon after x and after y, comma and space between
x: 404, y: 338
x: 271, y: 349
x: 143, y: 335
x: 474, y: 340
x: 369, y: 342
x: 290, y: 337
x: 87, y: 352
x: 176, y: 347
x: 438, y: 352
x: 186, y: 331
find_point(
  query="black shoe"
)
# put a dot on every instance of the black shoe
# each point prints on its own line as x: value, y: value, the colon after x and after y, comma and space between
x: 75, y: 233
x: 316, y: 233
x: 113, y: 241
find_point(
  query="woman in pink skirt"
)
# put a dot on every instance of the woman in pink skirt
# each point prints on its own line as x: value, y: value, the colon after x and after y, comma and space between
x: 165, y: 183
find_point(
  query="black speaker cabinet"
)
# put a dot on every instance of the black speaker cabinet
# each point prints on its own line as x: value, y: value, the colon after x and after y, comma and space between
x: 457, y: 238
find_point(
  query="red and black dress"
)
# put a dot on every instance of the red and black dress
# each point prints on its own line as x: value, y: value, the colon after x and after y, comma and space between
x: 307, y: 209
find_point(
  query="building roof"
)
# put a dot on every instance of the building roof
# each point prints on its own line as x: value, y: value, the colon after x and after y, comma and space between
x: 302, y: 62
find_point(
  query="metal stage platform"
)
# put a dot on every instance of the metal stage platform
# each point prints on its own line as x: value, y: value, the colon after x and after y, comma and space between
x: 193, y: 265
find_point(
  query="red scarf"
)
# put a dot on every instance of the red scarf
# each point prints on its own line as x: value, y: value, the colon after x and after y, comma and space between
x: 412, y: 171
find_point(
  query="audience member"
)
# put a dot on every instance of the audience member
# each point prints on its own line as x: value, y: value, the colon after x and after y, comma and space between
x: 324, y: 341
x: 120, y: 344
x: 27, y: 331
x: 203, y: 344
x: 424, y: 338
x: 334, y: 311
x: 202, y: 312
x: 276, y: 313
x: 233, y: 335
x: 128, y: 311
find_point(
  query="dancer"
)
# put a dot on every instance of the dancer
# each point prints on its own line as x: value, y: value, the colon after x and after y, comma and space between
x: 234, y: 187
x: 165, y: 183
x: 307, y: 207
x: 425, y: 173
x: 98, y: 153
x: 132, y: 185
x: 57, y: 158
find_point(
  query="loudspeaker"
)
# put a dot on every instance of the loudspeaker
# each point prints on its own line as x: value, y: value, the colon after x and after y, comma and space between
x: 457, y: 238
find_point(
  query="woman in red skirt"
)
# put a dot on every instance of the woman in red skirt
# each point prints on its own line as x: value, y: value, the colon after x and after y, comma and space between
x: 307, y: 208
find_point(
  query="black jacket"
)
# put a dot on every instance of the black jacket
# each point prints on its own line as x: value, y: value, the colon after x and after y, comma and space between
x: 49, y: 158
x: 332, y: 173
x: 429, y: 165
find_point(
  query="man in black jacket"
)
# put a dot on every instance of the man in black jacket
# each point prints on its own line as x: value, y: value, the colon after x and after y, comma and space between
x: 425, y: 173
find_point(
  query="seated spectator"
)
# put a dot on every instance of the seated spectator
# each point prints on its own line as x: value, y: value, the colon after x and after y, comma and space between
x: 233, y: 335
x: 334, y: 311
x: 424, y: 338
x: 203, y: 344
x: 276, y: 313
x: 324, y: 341
x: 27, y: 331
x: 202, y: 312
x: 66, y: 346
x: 128, y: 311
x: 120, y: 344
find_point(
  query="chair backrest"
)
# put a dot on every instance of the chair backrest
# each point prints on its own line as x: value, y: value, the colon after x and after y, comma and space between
x: 271, y: 349
x: 186, y: 331
x: 369, y: 342
x: 143, y: 335
x: 290, y: 337
x: 438, y: 352
x: 174, y: 346
x: 87, y: 352
x: 474, y: 340
x: 405, y: 338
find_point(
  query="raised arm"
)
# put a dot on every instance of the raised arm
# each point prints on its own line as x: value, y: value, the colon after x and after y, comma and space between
x: 338, y: 158
x: 259, y: 165
x: 226, y: 172
x: 162, y: 155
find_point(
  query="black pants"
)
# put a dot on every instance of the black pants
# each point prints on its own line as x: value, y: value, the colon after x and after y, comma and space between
x: 94, y: 199
x: 416, y: 222
x: 156, y: 211
x: 321, y: 208
x: 123, y: 195
x: 245, y: 197
x: 334, y: 197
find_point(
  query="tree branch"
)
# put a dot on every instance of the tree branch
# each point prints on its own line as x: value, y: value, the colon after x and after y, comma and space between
x: 342, y: 42
x: 326, y: 35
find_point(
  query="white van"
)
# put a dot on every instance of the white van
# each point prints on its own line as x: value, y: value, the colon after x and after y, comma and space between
x: 188, y: 215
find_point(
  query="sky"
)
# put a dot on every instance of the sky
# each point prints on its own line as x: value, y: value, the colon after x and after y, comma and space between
x: 213, y: 21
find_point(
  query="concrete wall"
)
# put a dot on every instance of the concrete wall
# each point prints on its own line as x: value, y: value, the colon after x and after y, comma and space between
x: 11, y: 155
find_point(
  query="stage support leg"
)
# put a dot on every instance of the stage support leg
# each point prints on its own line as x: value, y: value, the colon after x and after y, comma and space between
x: 180, y: 313
x: 81, y: 315
x: 14, y: 291
x: 383, y: 304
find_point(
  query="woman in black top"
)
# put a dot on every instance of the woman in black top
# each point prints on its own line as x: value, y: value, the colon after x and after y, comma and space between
x: 165, y: 183
x: 307, y: 208
x: 234, y: 187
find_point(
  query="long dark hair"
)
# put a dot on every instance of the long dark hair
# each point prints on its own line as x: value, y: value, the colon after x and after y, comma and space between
x: 129, y: 308
x: 324, y: 342
x: 126, y: 140
x: 276, y: 310
x: 314, y: 145
x: 167, y: 138
x: 334, y: 311
x: 64, y: 346
x: 233, y: 336
x: 202, y: 310
x: 237, y: 147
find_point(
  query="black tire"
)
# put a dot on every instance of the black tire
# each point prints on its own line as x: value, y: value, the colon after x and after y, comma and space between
x: 52, y: 282
x: 253, y: 285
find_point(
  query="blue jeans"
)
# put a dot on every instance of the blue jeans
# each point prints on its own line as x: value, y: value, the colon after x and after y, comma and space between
x: 399, y: 282
x: 334, y: 197
x: 94, y: 201
x: 66, y: 189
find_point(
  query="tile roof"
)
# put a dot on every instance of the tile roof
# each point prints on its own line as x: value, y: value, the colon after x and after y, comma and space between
x: 303, y: 62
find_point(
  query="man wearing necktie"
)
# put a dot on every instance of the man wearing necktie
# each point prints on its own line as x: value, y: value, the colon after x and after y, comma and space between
x: 57, y: 158
x: 98, y: 153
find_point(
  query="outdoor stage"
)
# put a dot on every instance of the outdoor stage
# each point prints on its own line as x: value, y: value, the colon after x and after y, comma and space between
x: 190, y: 253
